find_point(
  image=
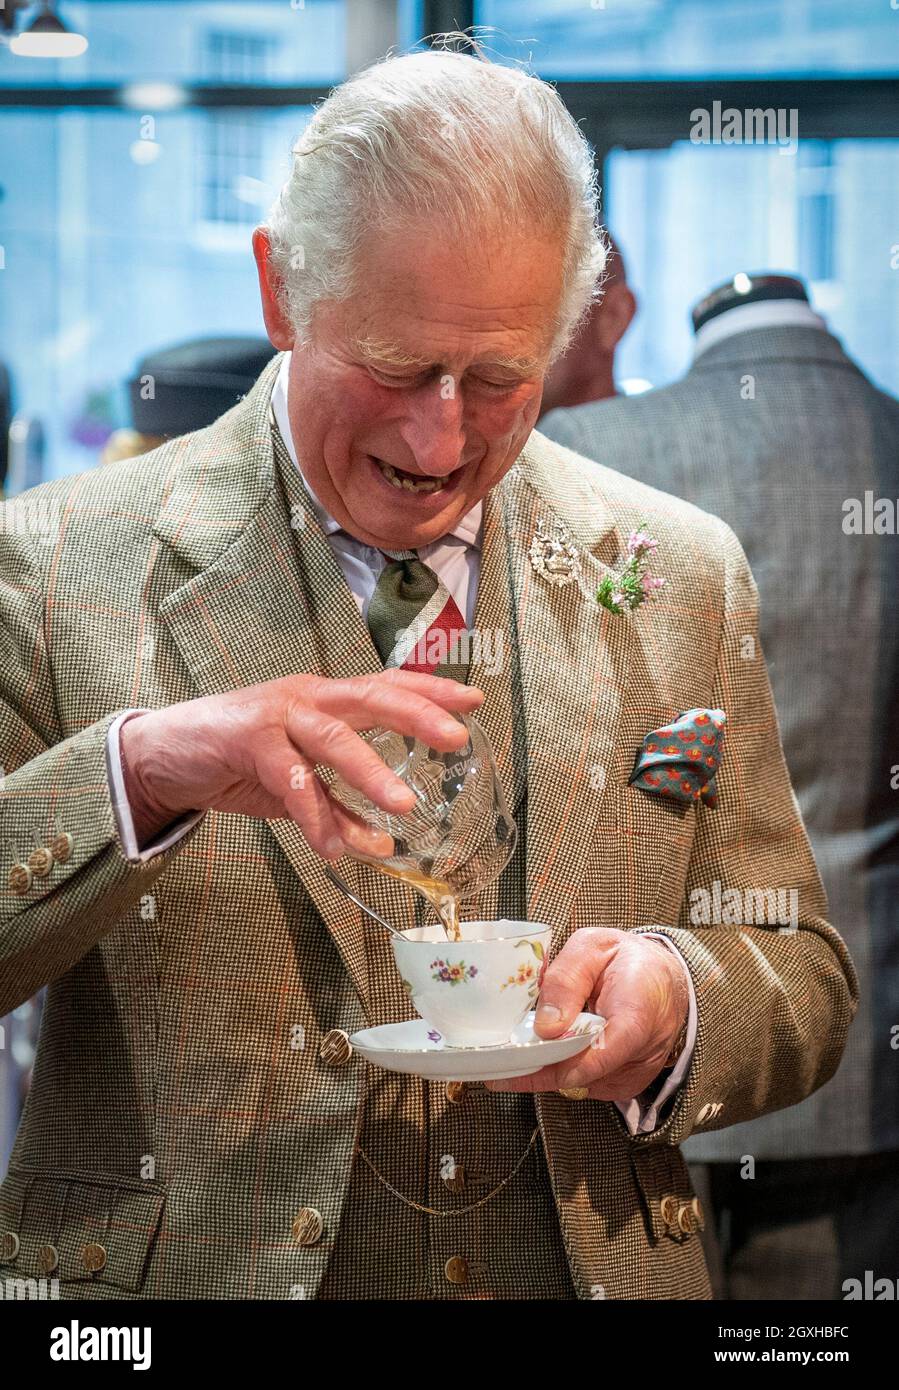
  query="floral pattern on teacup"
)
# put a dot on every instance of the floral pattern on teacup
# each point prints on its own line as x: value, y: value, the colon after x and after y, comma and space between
x: 528, y: 974
x: 452, y: 972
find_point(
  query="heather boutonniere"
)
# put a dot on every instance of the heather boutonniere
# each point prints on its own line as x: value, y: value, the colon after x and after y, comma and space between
x: 631, y: 583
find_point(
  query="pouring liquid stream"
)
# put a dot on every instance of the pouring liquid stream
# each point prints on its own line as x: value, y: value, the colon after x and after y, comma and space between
x: 438, y: 893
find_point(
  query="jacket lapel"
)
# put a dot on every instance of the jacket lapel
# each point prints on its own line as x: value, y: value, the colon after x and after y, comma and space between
x: 574, y: 658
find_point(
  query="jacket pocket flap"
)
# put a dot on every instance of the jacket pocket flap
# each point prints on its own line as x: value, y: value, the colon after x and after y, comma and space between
x: 83, y: 1230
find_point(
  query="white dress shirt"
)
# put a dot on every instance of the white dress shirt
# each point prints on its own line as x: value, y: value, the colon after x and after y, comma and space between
x: 455, y: 559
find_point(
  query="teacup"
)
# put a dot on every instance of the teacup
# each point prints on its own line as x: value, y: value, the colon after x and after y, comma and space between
x: 474, y: 992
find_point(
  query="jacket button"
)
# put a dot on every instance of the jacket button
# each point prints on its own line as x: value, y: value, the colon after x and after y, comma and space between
x: 93, y: 1257
x: 336, y: 1048
x: 307, y: 1226
x: 19, y: 879
x: 48, y: 1258
x: 460, y: 1178
x: 61, y: 847
x: 685, y: 1218
x: 40, y: 861
x: 668, y: 1208
x: 455, y: 1180
x: 454, y: 1092
x: 696, y: 1206
x: 9, y: 1246
x: 456, y: 1269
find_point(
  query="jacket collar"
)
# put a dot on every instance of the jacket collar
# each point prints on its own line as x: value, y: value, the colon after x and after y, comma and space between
x: 795, y: 343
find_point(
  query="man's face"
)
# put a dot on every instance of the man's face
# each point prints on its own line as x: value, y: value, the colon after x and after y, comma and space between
x: 399, y: 451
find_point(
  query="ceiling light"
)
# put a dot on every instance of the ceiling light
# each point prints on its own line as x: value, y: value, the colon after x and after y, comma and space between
x: 153, y: 96
x: 48, y: 37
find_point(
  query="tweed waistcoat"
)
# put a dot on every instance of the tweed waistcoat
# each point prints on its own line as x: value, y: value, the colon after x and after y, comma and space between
x: 511, y: 1247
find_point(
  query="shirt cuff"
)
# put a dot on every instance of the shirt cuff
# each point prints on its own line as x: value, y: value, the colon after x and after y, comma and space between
x: 122, y: 810
x: 642, y: 1115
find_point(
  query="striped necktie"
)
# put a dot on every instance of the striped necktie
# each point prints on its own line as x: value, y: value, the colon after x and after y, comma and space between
x: 414, y: 620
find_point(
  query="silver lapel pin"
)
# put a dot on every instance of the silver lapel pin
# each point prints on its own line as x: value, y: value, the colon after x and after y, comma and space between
x: 553, y: 556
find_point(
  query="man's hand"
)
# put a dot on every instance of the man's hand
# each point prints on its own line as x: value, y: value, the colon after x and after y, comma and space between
x: 638, y: 986
x: 253, y: 751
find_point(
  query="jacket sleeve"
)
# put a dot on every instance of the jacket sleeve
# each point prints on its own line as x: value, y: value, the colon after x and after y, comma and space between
x: 50, y: 786
x: 776, y: 989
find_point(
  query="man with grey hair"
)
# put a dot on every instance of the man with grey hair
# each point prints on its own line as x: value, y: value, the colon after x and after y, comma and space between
x: 218, y: 620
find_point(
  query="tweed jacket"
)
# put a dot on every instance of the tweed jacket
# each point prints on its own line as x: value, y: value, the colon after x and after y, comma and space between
x: 777, y: 462
x: 184, y: 1116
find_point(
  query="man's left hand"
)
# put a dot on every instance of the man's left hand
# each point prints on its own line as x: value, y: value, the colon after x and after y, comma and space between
x: 638, y: 985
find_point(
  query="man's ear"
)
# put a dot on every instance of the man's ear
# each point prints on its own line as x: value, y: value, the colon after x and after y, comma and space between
x: 615, y: 315
x: 277, y: 324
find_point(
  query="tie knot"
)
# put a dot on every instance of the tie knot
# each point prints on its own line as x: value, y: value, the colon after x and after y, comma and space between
x: 400, y: 554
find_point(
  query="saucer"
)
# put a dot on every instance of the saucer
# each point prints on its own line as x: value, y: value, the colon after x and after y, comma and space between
x: 418, y: 1049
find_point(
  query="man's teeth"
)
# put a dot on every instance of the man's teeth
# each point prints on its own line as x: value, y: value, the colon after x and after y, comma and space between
x: 426, y: 484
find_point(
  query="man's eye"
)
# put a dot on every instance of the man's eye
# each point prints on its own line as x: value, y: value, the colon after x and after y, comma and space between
x: 389, y: 380
x: 496, y: 385
x: 484, y: 383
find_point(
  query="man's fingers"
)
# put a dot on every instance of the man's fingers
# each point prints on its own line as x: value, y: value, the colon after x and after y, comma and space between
x: 612, y: 1052
x: 573, y: 978
x: 330, y: 829
x: 358, y: 837
x: 546, y: 1079
x: 320, y: 727
x: 425, y: 714
x: 448, y: 693
x: 288, y: 775
x: 614, y: 1067
x: 327, y: 740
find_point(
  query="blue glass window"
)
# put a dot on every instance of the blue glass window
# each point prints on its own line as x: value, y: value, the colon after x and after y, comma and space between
x: 695, y: 38
x: 691, y: 216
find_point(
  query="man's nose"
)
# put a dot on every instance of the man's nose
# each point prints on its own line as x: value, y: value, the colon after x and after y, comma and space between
x: 432, y: 427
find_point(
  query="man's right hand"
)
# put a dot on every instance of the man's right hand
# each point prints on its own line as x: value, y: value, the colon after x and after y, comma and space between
x: 253, y: 752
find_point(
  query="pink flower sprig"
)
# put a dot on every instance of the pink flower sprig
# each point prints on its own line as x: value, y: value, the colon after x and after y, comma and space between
x: 632, y: 583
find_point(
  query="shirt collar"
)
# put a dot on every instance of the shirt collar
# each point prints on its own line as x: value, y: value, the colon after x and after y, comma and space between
x: 466, y: 529
x: 766, y: 313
